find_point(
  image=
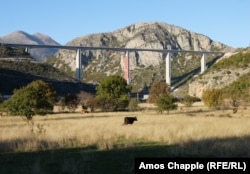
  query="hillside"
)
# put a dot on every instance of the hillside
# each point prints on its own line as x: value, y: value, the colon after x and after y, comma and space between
x: 229, y: 73
x: 18, y: 53
x: 20, y: 37
x: 145, y: 66
x: 15, y: 74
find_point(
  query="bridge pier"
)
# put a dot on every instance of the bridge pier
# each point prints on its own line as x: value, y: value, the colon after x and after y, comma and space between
x: 78, y: 64
x: 168, y: 69
x: 126, y: 75
x: 203, y: 63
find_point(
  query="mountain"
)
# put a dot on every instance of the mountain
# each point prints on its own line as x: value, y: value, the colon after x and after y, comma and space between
x: 21, y: 37
x: 231, y: 71
x: 145, y: 66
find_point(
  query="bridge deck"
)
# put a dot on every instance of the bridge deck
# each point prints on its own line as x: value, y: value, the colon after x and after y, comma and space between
x: 108, y: 48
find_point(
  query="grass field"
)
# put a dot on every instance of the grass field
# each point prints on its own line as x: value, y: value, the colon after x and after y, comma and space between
x: 99, y: 143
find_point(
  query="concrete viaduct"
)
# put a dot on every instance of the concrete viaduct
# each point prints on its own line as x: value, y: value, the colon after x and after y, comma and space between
x: 78, y: 49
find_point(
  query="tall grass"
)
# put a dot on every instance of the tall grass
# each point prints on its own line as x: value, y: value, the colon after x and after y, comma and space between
x: 105, y: 130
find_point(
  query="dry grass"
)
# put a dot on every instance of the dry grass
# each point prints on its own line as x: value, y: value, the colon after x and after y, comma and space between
x: 105, y: 130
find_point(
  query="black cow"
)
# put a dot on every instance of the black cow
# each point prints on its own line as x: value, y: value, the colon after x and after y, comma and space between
x: 129, y: 120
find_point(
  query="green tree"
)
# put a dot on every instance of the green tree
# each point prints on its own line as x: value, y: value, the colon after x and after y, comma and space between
x: 158, y: 89
x: 114, y: 90
x: 38, y: 97
x: 166, y: 103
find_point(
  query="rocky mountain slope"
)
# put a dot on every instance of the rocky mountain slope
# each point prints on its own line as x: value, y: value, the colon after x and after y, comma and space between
x: 21, y: 37
x: 223, y: 73
x: 145, y: 66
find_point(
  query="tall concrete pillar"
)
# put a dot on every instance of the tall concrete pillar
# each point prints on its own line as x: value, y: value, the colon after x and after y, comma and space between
x: 78, y: 64
x: 26, y: 50
x: 126, y: 67
x: 203, y: 63
x: 168, y: 69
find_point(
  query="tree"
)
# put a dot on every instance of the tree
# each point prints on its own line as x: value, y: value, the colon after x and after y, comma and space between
x: 158, y: 89
x: 71, y: 101
x: 38, y: 97
x: 114, y: 91
x: 166, y: 102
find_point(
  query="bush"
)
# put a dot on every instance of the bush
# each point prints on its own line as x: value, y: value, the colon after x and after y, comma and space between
x: 133, y: 105
x: 86, y: 100
x: 212, y: 98
x: 106, y: 103
x: 158, y: 89
x: 166, y: 102
x: 188, y: 100
x: 70, y: 101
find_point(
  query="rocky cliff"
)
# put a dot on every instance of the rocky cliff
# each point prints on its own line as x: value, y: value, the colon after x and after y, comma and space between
x: 145, y: 66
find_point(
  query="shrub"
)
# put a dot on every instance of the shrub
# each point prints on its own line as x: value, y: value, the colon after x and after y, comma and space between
x: 86, y: 100
x: 106, y: 103
x: 188, y: 100
x: 158, y: 89
x: 212, y: 98
x: 71, y: 102
x: 133, y: 105
x: 166, y: 102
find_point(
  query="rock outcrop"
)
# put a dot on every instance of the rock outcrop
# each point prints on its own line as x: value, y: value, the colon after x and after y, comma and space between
x: 142, y: 35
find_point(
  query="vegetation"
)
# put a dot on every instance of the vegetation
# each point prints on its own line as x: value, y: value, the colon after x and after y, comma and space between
x: 240, y: 89
x: 188, y: 100
x: 212, y: 97
x: 16, y: 74
x: 235, y: 61
x: 70, y: 101
x: 37, y: 97
x: 133, y: 105
x: 86, y: 100
x: 64, y: 68
x: 158, y: 89
x: 166, y: 102
x: 76, y: 143
x: 112, y: 93
x: 33, y: 68
x: 12, y: 52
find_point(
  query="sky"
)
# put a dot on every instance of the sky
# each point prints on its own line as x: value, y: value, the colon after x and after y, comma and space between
x: 225, y: 21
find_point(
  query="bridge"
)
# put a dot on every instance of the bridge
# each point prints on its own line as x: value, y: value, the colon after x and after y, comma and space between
x: 78, y: 49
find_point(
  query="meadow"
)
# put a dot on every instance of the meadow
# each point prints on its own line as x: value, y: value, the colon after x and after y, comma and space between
x: 100, y: 143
